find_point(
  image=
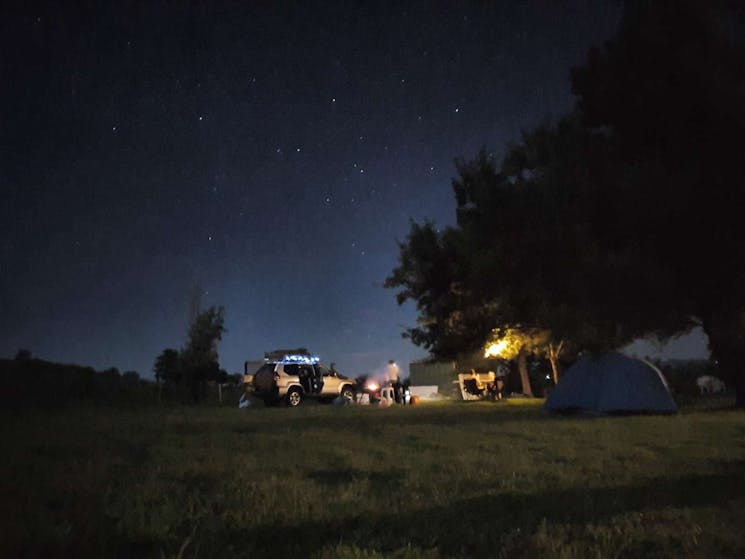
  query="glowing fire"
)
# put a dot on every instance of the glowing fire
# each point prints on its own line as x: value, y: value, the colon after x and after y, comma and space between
x: 496, y: 348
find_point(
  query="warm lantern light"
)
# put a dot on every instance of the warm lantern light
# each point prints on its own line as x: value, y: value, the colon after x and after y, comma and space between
x: 496, y: 348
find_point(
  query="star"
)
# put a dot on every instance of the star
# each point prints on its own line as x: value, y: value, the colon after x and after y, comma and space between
x: 297, y: 150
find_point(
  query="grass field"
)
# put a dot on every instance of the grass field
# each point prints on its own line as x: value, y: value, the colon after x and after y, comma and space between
x: 440, y: 480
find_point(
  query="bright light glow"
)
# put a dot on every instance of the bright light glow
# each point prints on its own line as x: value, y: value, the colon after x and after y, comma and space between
x: 495, y: 349
x: 372, y: 385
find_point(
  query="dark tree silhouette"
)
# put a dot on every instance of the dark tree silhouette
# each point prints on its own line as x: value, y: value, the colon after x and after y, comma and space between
x: 23, y: 355
x: 199, y: 359
x: 670, y: 91
x: 197, y: 363
x: 168, y: 367
x: 621, y: 220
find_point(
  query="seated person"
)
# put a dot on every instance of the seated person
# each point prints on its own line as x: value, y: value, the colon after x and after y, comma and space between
x: 472, y: 385
x: 480, y: 385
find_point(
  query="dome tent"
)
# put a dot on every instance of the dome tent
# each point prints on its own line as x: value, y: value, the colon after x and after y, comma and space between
x: 612, y: 383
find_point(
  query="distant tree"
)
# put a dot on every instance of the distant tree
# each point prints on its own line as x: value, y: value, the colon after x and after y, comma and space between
x: 167, y: 367
x: 111, y: 373
x: 23, y: 355
x: 131, y: 377
x: 199, y: 358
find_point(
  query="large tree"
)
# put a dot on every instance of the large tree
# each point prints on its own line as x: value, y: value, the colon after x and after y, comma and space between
x: 521, y: 255
x: 621, y: 220
x: 670, y: 92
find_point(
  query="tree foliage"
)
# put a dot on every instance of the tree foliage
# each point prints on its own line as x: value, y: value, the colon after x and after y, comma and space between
x: 168, y: 367
x: 430, y: 273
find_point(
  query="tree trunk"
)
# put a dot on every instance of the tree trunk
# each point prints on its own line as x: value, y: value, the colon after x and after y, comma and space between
x: 522, y: 365
x: 726, y: 332
x: 553, y: 357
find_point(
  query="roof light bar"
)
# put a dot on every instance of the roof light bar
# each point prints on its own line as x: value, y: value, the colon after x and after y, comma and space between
x: 305, y: 359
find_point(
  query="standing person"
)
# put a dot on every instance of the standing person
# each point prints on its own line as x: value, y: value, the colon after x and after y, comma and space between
x: 491, y: 387
x: 398, y: 392
x: 500, y: 388
x: 500, y: 381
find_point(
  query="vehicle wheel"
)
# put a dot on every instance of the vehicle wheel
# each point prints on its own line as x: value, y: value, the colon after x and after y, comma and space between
x: 347, y: 392
x: 294, y: 397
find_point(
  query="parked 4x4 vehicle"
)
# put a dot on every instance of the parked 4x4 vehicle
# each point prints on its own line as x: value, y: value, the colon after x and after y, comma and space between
x: 297, y: 377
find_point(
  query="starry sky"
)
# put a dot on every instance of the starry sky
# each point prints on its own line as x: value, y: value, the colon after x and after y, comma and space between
x: 267, y: 155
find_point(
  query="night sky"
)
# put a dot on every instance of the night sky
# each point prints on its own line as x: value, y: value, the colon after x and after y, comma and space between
x: 271, y: 156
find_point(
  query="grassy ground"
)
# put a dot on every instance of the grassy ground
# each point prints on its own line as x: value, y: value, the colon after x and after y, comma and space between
x: 444, y: 480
